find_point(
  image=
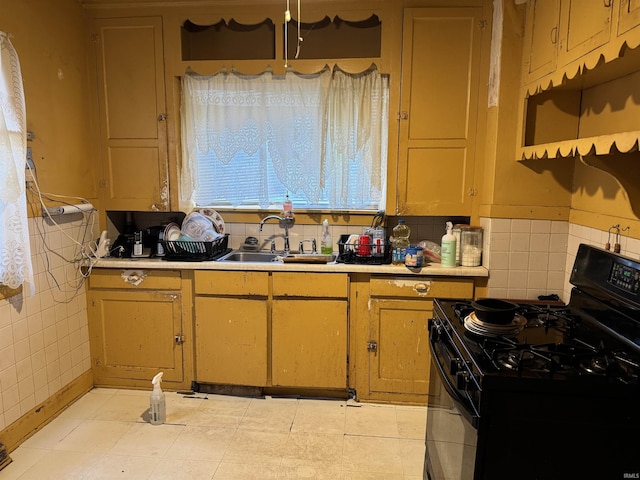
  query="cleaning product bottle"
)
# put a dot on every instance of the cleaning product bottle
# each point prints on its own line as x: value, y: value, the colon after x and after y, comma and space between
x: 287, y: 207
x: 157, y: 405
x: 448, y: 247
x: 400, y: 242
x: 326, y: 245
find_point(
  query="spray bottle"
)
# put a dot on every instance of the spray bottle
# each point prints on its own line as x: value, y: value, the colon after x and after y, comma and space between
x: 157, y: 405
x: 448, y: 247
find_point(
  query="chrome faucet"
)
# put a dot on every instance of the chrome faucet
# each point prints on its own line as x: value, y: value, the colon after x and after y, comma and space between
x: 285, y: 223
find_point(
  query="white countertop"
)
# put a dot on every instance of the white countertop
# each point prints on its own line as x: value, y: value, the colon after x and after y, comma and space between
x: 431, y: 269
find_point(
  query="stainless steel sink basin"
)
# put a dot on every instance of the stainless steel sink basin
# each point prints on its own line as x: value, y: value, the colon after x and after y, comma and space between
x: 238, y: 256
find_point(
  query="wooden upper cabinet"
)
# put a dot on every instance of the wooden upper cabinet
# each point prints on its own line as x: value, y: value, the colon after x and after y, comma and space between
x: 542, y: 37
x: 583, y: 29
x: 628, y: 16
x: 130, y: 73
x: 439, y: 104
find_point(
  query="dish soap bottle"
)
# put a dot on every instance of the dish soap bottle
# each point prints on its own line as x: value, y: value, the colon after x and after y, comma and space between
x: 448, y: 247
x: 157, y: 405
x: 400, y: 242
x: 326, y: 244
x: 287, y: 207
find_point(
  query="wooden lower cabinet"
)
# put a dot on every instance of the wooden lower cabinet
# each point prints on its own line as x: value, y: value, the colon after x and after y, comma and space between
x: 231, y: 327
x: 231, y: 340
x: 399, y: 346
x: 309, y: 330
x: 309, y: 343
x: 391, y: 337
x: 136, y: 329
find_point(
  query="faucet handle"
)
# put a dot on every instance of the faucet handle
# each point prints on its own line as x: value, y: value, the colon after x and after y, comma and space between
x: 273, y: 246
x: 314, y: 248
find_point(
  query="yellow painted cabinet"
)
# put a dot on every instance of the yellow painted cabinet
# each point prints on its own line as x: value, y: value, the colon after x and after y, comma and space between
x: 136, y: 330
x: 393, y: 343
x: 132, y: 105
x: 309, y: 330
x: 583, y: 29
x: 439, y: 109
x: 629, y: 16
x: 231, y: 327
x: 231, y: 340
x: 542, y: 36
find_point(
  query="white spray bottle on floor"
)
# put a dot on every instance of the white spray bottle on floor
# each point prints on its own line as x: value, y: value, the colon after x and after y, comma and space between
x: 157, y: 404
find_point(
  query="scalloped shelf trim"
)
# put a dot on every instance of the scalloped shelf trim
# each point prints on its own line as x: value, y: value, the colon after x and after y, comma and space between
x: 626, y: 142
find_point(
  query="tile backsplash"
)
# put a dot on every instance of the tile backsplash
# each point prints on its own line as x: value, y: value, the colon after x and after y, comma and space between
x: 44, y: 339
x: 527, y: 258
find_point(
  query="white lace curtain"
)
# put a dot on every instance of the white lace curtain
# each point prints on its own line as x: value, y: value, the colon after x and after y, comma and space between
x: 317, y: 130
x: 15, y: 251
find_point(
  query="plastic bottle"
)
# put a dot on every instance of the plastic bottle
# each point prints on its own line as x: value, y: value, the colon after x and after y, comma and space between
x: 400, y: 242
x: 326, y: 244
x: 448, y: 247
x: 157, y: 404
x: 287, y: 207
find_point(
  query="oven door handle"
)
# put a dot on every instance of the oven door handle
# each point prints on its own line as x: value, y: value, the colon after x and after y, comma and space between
x: 466, y: 408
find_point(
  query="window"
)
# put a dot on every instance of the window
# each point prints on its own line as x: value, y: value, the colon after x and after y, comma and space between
x: 250, y: 140
x: 15, y: 251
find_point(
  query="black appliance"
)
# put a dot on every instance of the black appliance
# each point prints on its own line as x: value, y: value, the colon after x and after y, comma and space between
x: 553, y: 394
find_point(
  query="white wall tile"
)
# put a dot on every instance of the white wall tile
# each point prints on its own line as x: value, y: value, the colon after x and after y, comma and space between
x: 518, y: 260
x: 38, y: 327
x: 541, y: 226
x: 539, y: 261
x: 517, y: 279
x: 520, y: 226
x: 519, y: 242
x: 539, y: 242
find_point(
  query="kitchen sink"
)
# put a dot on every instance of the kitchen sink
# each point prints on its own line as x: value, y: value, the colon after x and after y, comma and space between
x: 239, y: 256
x: 266, y: 257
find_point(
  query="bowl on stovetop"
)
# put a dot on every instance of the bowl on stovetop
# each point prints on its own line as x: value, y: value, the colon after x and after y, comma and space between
x: 494, y: 310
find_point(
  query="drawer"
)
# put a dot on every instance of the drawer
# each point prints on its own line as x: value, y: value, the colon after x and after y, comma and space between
x: 326, y: 285
x: 421, y: 287
x: 135, y: 279
x: 231, y: 283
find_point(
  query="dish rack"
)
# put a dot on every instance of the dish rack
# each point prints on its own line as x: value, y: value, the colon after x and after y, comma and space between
x: 192, y: 251
x: 348, y: 253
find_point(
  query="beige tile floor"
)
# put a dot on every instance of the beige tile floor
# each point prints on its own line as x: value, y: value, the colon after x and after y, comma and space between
x: 104, y: 436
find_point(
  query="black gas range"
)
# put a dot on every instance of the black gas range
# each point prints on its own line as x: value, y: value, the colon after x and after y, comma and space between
x: 555, y: 393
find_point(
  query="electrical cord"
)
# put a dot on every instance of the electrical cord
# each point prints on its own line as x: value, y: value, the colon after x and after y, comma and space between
x: 83, y: 259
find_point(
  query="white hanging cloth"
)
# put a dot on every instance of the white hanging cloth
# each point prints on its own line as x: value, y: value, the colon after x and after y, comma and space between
x: 15, y: 250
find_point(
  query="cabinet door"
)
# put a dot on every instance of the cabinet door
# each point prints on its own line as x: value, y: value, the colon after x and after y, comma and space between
x: 309, y: 343
x: 439, y: 98
x: 131, y: 91
x: 231, y: 341
x: 399, y: 357
x: 133, y: 335
x: 586, y: 25
x: 629, y: 16
x: 541, y: 35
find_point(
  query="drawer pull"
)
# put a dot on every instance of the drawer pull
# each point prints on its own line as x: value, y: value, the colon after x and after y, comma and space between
x: 421, y: 288
x: 133, y: 277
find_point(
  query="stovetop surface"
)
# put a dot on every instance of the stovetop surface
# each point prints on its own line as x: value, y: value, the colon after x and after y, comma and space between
x: 553, y: 342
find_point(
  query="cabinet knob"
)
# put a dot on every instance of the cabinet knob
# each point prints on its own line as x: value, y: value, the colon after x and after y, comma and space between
x: 421, y: 287
x: 162, y: 117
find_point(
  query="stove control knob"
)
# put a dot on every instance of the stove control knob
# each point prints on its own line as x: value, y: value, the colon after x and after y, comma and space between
x: 455, y: 366
x: 462, y: 380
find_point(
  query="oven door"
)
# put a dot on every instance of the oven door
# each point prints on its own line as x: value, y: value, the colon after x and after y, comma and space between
x: 451, y: 436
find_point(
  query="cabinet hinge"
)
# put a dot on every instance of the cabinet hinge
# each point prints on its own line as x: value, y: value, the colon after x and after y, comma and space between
x: 372, y: 346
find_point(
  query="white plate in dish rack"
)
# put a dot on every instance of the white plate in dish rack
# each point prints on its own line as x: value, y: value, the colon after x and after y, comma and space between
x: 215, y: 217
